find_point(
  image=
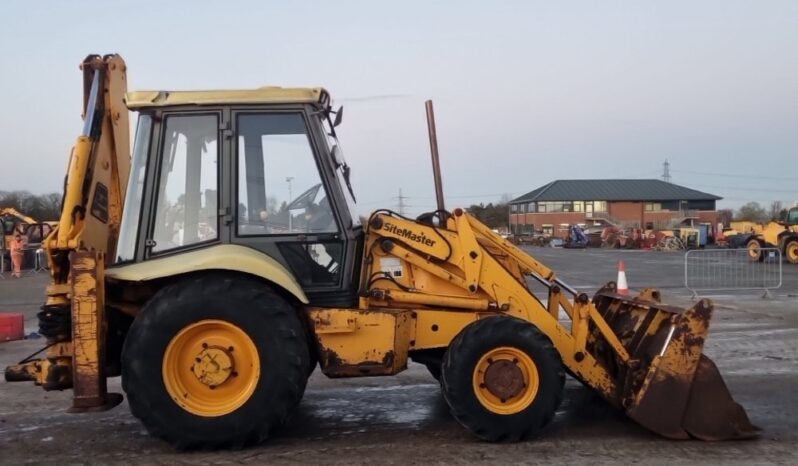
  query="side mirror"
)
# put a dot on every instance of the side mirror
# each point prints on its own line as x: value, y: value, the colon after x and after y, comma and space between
x: 339, y: 116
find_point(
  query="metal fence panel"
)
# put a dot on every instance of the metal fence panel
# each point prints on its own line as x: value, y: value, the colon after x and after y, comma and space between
x: 34, y: 260
x: 732, y: 270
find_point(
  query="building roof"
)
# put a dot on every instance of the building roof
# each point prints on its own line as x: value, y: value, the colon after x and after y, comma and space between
x: 264, y: 95
x: 614, y: 190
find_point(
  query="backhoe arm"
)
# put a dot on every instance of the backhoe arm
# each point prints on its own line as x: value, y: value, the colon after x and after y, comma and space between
x: 17, y: 214
x: 84, y: 242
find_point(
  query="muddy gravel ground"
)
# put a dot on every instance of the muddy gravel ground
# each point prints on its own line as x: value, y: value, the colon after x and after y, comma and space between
x: 405, y: 420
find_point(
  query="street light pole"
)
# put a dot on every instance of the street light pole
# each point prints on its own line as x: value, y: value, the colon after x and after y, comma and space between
x: 288, y: 180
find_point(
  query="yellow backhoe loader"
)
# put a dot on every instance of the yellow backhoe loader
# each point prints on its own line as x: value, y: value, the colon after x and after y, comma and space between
x: 13, y: 221
x: 781, y: 235
x: 192, y: 270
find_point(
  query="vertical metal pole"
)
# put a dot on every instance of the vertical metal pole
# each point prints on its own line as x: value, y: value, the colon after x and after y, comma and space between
x: 288, y: 180
x: 433, y: 147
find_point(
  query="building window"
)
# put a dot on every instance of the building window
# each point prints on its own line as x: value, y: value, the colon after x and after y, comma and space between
x: 548, y: 229
x: 599, y: 206
x: 701, y: 205
x: 530, y: 207
x: 514, y: 208
x: 555, y: 206
x: 653, y: 206
x: 579, y: 206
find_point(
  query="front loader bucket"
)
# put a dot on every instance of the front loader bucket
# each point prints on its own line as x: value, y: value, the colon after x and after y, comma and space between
x: 670, y: 387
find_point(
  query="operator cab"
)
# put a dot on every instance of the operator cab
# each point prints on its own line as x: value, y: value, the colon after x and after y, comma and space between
x: 791, y: 218
x: 260, y: 168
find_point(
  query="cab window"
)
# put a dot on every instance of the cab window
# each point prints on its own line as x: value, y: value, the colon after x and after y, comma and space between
x: 186, y: 211
x: 279, y: 188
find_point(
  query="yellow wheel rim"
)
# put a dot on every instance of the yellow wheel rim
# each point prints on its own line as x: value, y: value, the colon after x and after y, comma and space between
x: 211, y: 368
x: 506, y: 380
x: 753, y: 250
x: 792, y: 252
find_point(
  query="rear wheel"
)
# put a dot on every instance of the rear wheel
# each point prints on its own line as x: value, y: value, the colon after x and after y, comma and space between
x: 434, y: 370
x: 755, y: 250
x: 791, y: 251
x: 503, y: 379
x: 214, y: 361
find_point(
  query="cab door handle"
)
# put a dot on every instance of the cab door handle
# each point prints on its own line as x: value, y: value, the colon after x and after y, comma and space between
x: 227, y: 218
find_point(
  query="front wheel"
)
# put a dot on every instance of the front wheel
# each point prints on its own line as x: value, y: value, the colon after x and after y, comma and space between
x: 754, y: 248
x: 214, y: 361
x: 791, y: 251
x: 503, y: 379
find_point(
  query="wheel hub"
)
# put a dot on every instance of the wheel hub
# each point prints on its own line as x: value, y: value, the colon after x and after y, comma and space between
x: 504, y: 379
x: 213, y: 366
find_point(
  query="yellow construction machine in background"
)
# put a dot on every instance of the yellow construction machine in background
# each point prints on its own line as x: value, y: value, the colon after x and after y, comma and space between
x: 781, y: 235
x: 12, y: 222
x: 214, y: 294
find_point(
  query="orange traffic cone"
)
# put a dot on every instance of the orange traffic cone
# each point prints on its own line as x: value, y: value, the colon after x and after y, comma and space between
x: 623, y: 287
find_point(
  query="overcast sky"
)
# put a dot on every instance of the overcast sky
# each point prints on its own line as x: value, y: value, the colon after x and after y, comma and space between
x: 525, y: 92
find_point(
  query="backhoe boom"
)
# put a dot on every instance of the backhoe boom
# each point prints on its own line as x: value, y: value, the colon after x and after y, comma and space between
x: 80, y: 246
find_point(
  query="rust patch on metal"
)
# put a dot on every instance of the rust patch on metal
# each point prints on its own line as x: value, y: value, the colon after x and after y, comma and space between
x: 504, y: 379
x: 662, y: 405
x: 334, y: 366
x: 711, y: 412
x: 668, y: 385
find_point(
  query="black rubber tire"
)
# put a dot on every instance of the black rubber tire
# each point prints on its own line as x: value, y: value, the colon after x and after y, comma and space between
x: 457, y: 378
x: 750, y: 245
x: 434, y: 370
x: 268, y: 319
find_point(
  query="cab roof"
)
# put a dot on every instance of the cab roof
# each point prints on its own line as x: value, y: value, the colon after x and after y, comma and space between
x: 264, y: 95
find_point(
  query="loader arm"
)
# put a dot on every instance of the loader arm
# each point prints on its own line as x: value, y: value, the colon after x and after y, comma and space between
x: 642, y: 356
x: 80, y: 246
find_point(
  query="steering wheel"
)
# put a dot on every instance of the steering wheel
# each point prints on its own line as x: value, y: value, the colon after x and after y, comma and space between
x: 322, y: 218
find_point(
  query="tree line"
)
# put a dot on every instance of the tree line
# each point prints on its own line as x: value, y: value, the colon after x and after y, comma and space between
x: 492, y: 215
x: 40, y: 207
x: 755, y: 212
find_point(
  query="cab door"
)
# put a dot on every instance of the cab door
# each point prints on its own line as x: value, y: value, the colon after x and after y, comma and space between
x: 187, y: 184
x: 285, y: 203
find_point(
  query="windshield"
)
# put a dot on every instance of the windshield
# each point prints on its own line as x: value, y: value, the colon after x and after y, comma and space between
x: 792, y: 216
x: 126, y: 246
x: 342, y: 170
